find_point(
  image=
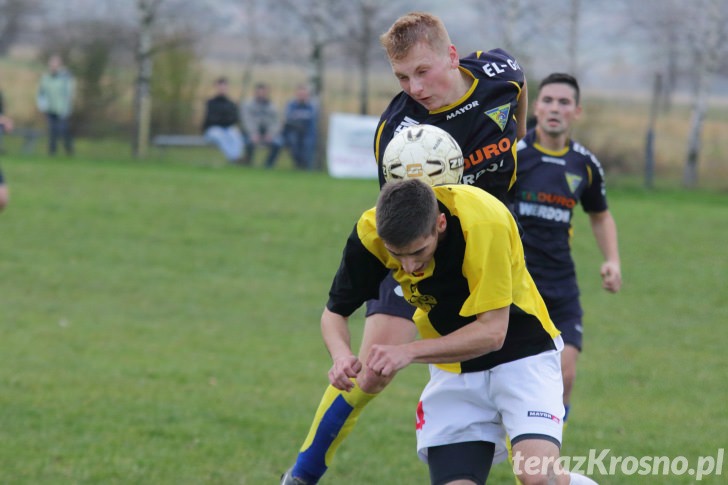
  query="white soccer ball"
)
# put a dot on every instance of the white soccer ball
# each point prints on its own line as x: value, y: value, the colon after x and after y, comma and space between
x: 425, y: 152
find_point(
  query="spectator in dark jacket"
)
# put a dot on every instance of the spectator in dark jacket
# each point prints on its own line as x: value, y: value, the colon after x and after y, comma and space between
x: 300, y: 128
x: 221, y: 124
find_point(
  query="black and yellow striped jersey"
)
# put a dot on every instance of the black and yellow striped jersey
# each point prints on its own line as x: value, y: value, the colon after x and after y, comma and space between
x: 482, y: 121
x: 478, y: 266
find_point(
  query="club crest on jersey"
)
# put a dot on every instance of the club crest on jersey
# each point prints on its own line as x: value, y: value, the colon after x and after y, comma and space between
x: 499, y: 115
x: 573, y: 180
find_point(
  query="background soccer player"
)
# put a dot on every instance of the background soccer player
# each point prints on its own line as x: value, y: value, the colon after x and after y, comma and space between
x: 554, y: 174
x: 6, y: 126
x: 481, y: 101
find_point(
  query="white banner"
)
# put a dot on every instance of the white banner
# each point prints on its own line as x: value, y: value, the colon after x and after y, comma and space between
x: 350, y: 151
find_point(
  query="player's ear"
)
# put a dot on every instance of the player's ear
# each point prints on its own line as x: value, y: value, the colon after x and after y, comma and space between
x: 577, y: 112
x: 441, y: 223
x: 454, y: 58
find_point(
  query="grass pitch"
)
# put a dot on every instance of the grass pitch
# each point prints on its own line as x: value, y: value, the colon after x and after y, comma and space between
x: 159, y: 325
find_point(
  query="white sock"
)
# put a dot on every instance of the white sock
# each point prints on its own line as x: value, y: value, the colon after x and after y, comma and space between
x: 578, y: 479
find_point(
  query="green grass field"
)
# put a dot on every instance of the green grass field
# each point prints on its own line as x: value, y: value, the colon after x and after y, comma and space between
x: 159, y: 325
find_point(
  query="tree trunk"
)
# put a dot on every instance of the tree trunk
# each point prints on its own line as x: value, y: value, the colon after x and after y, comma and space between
x: 709, y: 48
x: 143, y: 100
x: 573, y: 48
x: 700, y: 106
x: 650, y: 139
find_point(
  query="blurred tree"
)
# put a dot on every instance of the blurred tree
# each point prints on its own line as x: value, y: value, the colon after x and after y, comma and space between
x: 708, y: 41
x: 572, y: 45
x: 660, y: 25
x: 174, y: 87
x: 13, y: 17
x: 321, y: 23
x: 164, y: 26
x: 147, y: 13
x: 366, y: 22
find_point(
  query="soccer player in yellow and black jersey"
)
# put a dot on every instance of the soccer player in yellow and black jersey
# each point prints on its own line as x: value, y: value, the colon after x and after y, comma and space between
x: 457, y: 254
x: 481, y: 101
x: 555, y: 174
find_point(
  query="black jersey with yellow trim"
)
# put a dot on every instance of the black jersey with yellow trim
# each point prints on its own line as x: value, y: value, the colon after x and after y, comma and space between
x: 482, y: 121
x: 478, y: 266
x: 550, y: 185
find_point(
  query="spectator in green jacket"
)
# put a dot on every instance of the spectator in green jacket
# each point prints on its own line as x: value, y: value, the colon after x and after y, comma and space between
x: 55, y: 99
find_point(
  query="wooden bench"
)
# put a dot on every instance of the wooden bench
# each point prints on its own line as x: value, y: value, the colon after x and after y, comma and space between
x: 30, y: 137
x: 180, y: 141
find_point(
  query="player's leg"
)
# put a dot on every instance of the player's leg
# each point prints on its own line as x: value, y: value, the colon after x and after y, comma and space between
x: 566, y: 314
x: 339, y: 411
x: 458, y: 428
x: 569, y: 357
x: 529, y: 395
x: 464, y: 463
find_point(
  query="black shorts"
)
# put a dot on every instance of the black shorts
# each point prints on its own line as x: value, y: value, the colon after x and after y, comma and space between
x: 566, y: 314
x: 391, y: 300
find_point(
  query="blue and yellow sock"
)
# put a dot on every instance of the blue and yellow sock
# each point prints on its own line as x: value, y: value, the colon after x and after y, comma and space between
x: 335, y: 417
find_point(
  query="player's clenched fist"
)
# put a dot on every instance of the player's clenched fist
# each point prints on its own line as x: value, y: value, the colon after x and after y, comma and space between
x: 385, y: 360
x: 343, y: 370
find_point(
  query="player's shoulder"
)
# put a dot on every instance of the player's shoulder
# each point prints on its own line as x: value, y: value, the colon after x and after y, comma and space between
x: 527, y: 141
x: 401, y: 112
x: 366, y: 227
x: 586, y: 155
x: 492, y: 64
x: 470, y: 203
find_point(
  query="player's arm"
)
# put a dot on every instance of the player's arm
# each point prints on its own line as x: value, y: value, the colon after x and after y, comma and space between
x: 6, y: 123
x: 522, y: 111
x: 605, y: 233
x: 486, y: 334
x: 4, y: 196
x: 346, y: 365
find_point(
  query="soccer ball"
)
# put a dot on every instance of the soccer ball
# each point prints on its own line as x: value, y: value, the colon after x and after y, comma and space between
x: 425, y: 152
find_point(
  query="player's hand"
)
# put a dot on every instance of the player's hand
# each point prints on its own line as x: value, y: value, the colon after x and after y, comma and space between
x: 611, y: 276
x: 343, y: 371
x: 386, y: 360
x: 6, y: 123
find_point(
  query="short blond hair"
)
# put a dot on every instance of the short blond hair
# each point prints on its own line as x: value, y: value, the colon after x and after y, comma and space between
x: 411, y: 29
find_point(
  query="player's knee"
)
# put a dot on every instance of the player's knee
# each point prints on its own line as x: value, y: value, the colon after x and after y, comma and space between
x: 527, y: 479
x: 372, y: 383
x: 569, y: 376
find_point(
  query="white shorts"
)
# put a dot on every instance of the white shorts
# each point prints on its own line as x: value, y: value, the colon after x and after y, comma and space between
x: 517, y: 398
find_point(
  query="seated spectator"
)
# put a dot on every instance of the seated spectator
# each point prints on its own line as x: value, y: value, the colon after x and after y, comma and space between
x: 300, y: 128
x: 261, y: 125
x: 221, y: 123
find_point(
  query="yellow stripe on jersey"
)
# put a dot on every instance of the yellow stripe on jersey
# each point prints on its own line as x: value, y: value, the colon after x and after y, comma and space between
x: 377, y: 141
x: 551, y: 153
x: 464, y: 97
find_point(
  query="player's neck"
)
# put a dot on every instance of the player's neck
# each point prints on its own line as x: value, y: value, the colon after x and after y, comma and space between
x: 552, y: 143
x: 463, y: 83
